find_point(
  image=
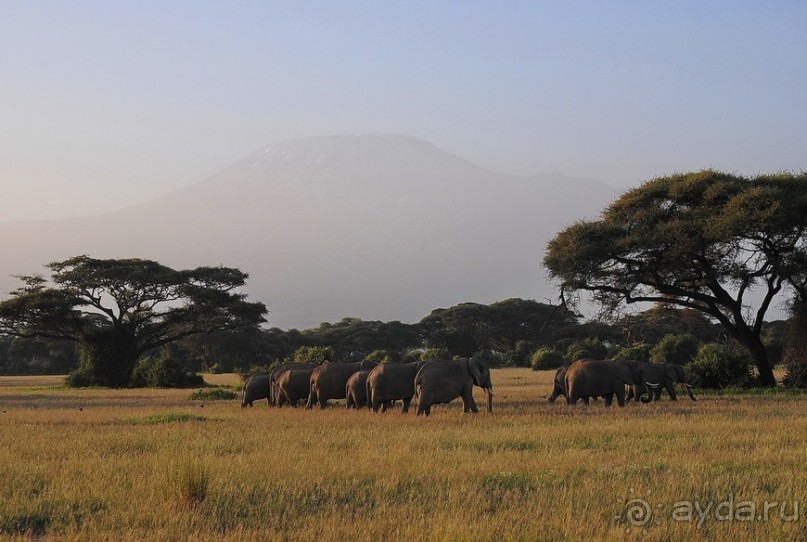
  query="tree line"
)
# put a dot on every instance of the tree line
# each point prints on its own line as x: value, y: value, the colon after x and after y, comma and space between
x: 710, y: 251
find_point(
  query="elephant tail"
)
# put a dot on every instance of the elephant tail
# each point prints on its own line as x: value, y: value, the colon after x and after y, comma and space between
x: 368, y: 390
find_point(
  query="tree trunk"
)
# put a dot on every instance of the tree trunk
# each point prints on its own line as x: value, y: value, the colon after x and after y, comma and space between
x: 107, y: 357
x: 795, y: 356
x: 753, y: 343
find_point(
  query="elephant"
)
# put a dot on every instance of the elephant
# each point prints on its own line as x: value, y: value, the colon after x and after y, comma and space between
x: 444, y: 381
x: 356, y: 389
x: 589, y: 378
x: 329, y: 381
x: 391, y: 382
x: 292, y: 385
x: 560, y: 384
x: 277, y: 371
x: 256, y: 387
x: 666, y: 374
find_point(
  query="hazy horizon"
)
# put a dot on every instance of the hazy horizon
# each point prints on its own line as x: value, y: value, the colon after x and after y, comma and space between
x: 106, y: 105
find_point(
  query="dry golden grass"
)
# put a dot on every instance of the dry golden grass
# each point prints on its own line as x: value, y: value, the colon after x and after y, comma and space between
x: 153, y: 465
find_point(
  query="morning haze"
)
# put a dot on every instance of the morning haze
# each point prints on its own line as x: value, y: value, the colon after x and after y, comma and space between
x: 376, y: 226
x: 115, y: 118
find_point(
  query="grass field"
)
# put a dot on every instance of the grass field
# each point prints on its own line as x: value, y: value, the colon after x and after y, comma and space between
x: 154, y: 465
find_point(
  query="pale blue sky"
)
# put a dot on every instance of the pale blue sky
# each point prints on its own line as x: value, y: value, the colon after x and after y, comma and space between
x: 108, y: 103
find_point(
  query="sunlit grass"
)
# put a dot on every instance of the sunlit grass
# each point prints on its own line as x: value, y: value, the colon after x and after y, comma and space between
x: 105, y: 464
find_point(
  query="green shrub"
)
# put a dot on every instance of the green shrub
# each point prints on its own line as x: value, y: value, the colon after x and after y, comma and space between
x: 213, y: 394
x: 379, y: 356
x: 640, y: 352
x: 716, y: 367
x: 678, y: 349
x: 489, y: 358
x: 591, y: 348
x: 431, y: 354
x: 312, y: 354
x: 546, y: 358
x: 165, y: 371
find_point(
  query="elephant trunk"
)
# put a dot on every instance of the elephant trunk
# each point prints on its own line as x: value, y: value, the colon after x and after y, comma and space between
x: 489, y: 398
x: 689, y: 391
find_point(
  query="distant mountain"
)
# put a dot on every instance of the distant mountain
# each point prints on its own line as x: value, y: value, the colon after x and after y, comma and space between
x: 373, y: 226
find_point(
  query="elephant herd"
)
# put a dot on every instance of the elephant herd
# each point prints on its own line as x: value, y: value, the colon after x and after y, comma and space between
x: 585, y: 379
x: 377, y: 387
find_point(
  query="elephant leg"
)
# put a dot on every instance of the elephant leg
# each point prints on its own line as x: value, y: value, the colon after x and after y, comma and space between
x: 384, y: 406
x: 312, y: 397
x: 657, y: 394
x: 376, y: 403
x: 670, y: 387
x: 620, y: 396
x: 406, y: 403
x: 609, y: 398
x: 322, y: 402
x: 631, y: 394
x: 585, y: 400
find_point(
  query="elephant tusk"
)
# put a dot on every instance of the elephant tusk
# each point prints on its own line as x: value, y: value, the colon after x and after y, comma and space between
x: 688, y: 385
x: 652, y: 385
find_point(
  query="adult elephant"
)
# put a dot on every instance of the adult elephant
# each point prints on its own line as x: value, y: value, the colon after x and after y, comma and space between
x: 292, y: 385
x: 255, y: 388
x: 356, y: 389
x: 329, y: 381
x: 443, y: 381
x: 392, y: 382
x: 275, y: 375
x: 607, y: 378
x: 666, y: 374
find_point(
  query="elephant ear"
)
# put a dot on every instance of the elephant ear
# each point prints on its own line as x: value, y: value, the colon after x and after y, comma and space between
x: 475, y: 369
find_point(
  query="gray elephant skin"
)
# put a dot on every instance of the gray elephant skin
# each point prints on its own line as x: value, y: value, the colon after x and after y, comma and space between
x: 275, y: 375
x: 559, y: 385
x: 606, y: 378
x: 356, y: 390
x: 666, y: 375
x: 329, y: 381
x: 443, y: 381
x: 392, y: 382
x: 256, y: 387
x: 292, y: 385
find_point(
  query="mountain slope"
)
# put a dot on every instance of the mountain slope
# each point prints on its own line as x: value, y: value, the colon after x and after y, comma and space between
x: 374, y: 226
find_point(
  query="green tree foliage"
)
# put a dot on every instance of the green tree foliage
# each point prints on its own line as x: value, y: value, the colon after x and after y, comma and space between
x: 168, y: 370
x: 117, y: 310
x: 717, y: 367
x: 703, y: 241
x: 651, y: 325
x: 355, y: 338
x: 507, y: 327
x: 590, y: 348
x: 546, y: 358
x: 679, y: 349
x: 313, y: 354
x: 637, y: 352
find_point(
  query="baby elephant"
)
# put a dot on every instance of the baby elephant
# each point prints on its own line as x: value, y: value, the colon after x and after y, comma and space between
x: 444, y: 381
x: 355, y: 390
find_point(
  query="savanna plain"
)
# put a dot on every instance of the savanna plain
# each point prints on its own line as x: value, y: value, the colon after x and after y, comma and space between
x: 148, y: 464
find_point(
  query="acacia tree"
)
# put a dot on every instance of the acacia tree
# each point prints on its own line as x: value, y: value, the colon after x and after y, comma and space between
x: 117, y: 310
x: 702, y: 240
